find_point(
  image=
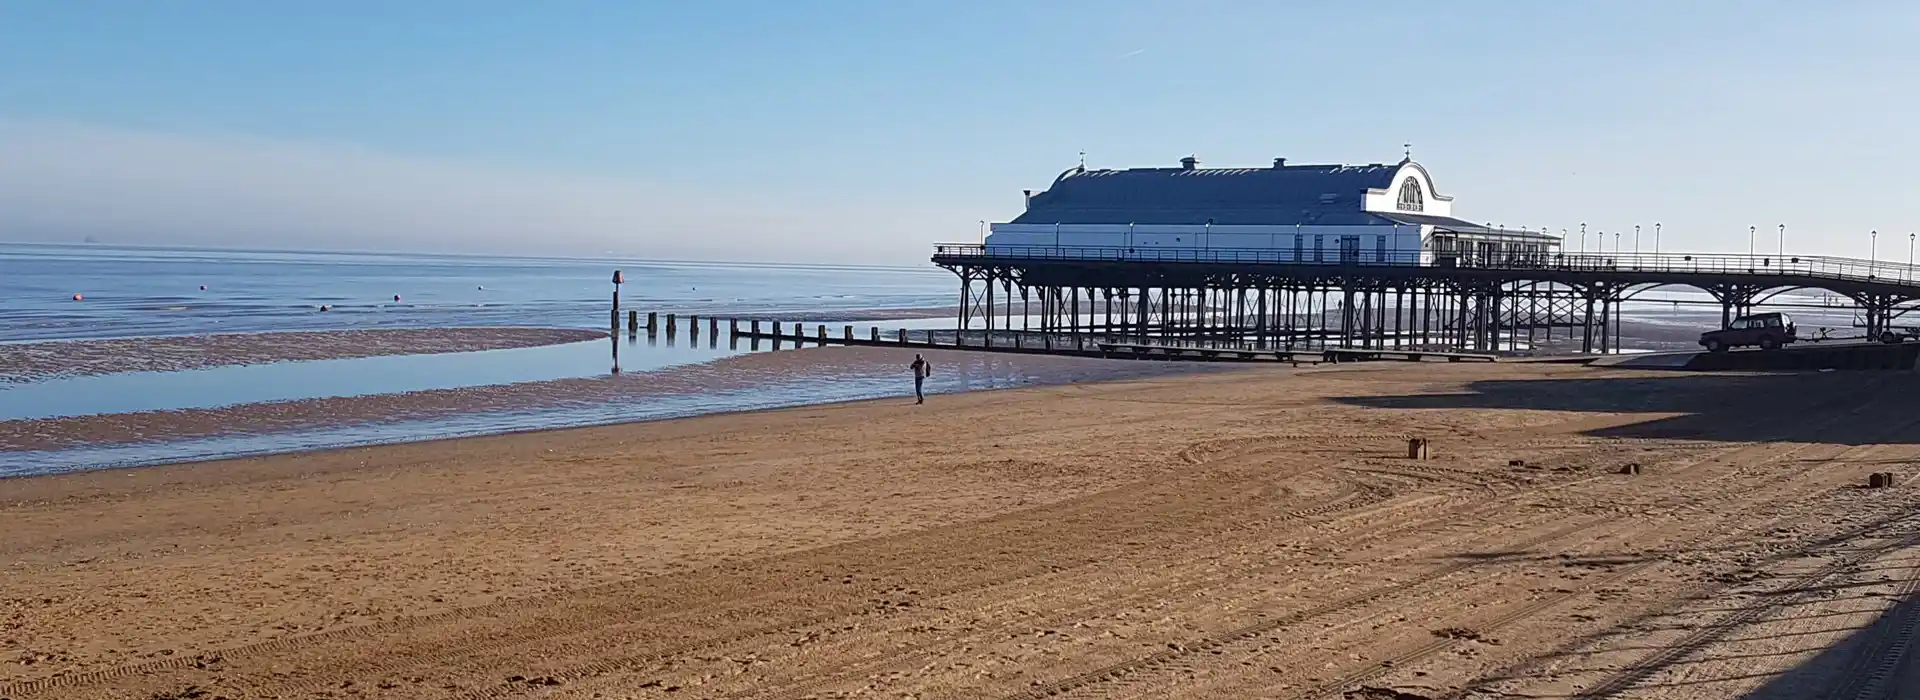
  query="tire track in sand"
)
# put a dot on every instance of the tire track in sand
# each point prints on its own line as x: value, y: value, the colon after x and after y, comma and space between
x: 1162, y: 659
x: 579, y: 610
x: 627, y: 663
x: 1529, y: 610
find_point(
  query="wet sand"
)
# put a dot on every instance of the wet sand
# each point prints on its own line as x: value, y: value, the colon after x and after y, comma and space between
x: 26, y: 362
x: 1257, y: 533
x: 805, y: 374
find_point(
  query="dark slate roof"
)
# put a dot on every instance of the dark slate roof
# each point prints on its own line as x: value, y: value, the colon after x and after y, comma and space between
x: 1327, y: 195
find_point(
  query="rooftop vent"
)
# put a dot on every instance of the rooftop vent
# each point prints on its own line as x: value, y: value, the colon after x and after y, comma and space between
x: 1189, y: 163
x: 1279, y: 162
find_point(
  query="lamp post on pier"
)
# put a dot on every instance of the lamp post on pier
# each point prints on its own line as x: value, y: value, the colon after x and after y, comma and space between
x: 1750, y: 232
x: 1636, y: 240
x: 1583, y: 239
x: 1782, y: 253
x: 1873, y: 251
x: 983, y: 232
x: 1656, y: 238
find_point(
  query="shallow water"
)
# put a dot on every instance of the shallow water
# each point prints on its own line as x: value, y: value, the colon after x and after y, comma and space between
x: 822, y: 377
x: 292, y: 381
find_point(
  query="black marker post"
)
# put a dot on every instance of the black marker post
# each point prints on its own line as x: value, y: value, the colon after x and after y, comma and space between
x: 614, y: 333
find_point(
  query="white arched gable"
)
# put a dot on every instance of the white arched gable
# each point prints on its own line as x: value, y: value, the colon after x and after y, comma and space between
x: 1410, y: 178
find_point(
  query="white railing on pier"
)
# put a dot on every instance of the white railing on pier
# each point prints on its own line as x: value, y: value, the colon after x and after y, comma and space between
x: 1816, y: 266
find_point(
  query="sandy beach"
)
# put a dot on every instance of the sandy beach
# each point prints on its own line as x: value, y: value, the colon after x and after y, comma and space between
x: 26, y: 362
x: 1256, y: 533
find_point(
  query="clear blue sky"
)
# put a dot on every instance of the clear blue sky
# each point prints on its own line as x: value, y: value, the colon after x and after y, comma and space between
x: 866, y: 130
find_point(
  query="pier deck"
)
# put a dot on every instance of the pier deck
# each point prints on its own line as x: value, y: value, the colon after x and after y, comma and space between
x: 1465, y: 302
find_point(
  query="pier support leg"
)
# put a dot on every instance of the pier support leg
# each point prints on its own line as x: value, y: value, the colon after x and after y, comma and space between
x: 989, y: 312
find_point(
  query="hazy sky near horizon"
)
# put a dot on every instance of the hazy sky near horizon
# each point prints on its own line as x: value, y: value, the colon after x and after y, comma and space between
x: 865, y: 131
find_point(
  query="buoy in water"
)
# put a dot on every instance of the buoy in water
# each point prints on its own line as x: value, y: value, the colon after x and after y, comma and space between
x: 77, y: 297
x: 396, y: 297
x: 326, y: 307
x: 203, y: 287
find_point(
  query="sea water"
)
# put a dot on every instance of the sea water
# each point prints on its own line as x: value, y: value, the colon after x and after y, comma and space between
x: 154, y: 291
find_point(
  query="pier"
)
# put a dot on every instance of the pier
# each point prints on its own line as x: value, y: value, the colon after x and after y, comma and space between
x: 1323, y: 263
x: 1254, y: 306
x: 1356, y: 256
x: 1461, y: 303
x: 1247, y: 306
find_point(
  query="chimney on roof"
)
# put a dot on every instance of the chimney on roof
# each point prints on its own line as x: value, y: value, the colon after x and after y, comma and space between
x: 1279, y: 163
x: 1028, y: 194
x: 1189, y: 163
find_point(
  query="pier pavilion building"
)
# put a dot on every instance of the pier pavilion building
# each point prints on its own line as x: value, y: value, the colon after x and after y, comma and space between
x: 1303, y: 214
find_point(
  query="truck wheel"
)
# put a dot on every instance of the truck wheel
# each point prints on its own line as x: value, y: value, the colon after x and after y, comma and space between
x: 1716, y: 346
x: 1769, y: 343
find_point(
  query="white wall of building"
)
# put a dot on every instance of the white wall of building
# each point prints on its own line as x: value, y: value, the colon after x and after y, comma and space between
x: 1376, y: 244
x: 1387, y: 200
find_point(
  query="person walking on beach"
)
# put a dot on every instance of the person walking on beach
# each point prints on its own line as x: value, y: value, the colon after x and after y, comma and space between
x: 921, y: 369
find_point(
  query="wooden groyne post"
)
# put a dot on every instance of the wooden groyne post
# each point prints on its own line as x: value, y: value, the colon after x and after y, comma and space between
x: 618, y: 279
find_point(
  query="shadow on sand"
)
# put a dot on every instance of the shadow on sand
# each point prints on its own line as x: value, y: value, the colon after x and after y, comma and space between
x: 1875, y: 661
x: 1845, y: 408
